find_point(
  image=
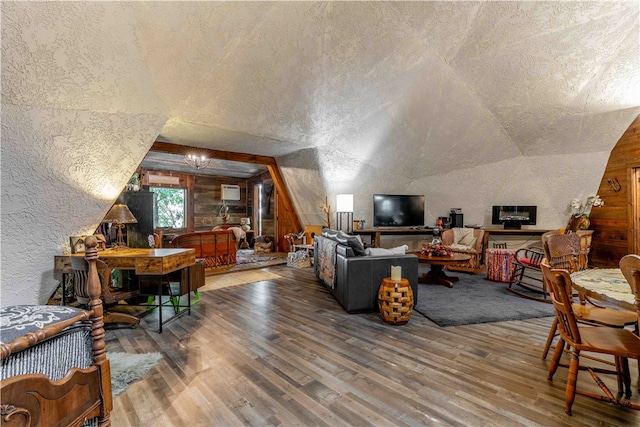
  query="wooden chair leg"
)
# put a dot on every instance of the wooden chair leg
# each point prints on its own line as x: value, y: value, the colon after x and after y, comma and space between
x: 552, y: 334
x: 626, y: 376
x: 572, y: 379
x: 555, y: 361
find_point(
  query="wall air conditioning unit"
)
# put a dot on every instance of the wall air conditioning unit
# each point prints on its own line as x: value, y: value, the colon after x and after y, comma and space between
x: 230, y: 192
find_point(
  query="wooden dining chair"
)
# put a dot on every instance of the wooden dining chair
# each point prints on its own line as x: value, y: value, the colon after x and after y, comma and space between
x: 630, y: 267
x: 564, y: 251
x: 622, y: 344
x: 110, y: 298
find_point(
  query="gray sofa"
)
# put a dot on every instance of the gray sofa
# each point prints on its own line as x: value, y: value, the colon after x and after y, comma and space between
x: 356, y: 276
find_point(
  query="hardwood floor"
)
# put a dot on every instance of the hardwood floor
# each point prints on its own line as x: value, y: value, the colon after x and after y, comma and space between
x: 282, y: 351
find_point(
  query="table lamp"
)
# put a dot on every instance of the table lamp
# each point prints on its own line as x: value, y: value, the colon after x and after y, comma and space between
x: 119, y: 215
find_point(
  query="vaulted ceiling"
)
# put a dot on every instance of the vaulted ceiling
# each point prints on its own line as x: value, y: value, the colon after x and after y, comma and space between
x: 470, y: 103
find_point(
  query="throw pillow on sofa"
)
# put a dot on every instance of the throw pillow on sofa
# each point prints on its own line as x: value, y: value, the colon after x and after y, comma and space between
x: 398, y: 250
x: 354, y: 242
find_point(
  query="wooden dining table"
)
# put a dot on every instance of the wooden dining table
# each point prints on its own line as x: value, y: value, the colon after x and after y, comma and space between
x: 607, y: 285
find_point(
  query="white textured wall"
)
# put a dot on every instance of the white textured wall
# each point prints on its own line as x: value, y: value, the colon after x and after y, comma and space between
x: 78, y: 116
x: 61, y: 172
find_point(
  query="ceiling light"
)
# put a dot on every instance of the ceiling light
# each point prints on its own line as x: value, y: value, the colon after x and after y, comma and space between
x: 197, y: 162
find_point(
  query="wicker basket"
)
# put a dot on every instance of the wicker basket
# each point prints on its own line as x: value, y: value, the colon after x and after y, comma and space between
x: 299, y: 259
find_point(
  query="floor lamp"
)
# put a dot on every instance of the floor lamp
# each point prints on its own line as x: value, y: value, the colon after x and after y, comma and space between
x: 344, y: 205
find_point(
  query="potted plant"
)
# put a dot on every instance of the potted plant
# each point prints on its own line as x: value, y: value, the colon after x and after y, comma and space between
x: 134, y: 182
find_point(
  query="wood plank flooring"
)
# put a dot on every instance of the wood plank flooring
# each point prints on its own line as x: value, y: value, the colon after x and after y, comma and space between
x: 282, y: 351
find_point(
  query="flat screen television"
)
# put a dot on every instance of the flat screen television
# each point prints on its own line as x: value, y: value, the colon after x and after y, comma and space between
x: 514, y: 217
x: 397, y: 210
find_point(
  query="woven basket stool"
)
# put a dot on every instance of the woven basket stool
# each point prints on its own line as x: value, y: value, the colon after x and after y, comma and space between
x: 395, y: 301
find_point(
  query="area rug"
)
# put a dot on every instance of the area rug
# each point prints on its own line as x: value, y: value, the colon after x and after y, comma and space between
x: 248, y: 256
x: 475, y: 299
x: 220, y: 281
x: 127, y: 368
x: 246, y: 259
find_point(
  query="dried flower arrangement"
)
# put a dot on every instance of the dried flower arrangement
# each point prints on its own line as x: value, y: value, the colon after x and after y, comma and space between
x: 430, y: 249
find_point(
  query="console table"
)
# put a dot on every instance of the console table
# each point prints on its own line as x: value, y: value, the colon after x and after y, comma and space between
x: 375, y: 233
x: 508, y: 232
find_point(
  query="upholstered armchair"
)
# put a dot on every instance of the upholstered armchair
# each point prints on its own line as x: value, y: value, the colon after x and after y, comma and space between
x: 468, y: 241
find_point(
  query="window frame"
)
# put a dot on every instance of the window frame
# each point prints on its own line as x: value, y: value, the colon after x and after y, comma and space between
x: 184, y: 206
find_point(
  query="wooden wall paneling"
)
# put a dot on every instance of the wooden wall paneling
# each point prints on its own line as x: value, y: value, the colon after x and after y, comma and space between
x: 613, y: 224
x: 208, y: 201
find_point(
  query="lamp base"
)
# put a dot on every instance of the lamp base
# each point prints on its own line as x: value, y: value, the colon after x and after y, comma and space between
x: 349, y: 220
x: 119, y: 243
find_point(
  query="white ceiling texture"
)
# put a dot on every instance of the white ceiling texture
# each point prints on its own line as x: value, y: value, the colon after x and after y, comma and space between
x: 469, y: 103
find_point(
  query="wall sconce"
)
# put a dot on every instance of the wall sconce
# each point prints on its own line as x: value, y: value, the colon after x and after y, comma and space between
x: 344, y: 205
x: 119, y: 215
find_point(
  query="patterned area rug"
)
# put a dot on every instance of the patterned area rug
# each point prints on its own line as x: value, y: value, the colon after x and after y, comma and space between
x: 246, y: 259
x: 247, y: 256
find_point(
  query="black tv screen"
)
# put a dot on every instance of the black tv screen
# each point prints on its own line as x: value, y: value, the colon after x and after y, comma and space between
x: 395, y: 210
x: 513, y: 216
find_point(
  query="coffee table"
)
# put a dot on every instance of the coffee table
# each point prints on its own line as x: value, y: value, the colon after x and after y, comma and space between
x: 436, y: 274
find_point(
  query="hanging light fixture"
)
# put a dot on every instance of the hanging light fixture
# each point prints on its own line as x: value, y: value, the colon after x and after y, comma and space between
x: 197, y: 162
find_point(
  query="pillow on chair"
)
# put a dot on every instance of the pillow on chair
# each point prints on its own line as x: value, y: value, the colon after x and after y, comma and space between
x: 468, y: 240
x: 463, y: 238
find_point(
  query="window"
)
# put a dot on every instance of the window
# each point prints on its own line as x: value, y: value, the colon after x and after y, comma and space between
x: 168, y: 207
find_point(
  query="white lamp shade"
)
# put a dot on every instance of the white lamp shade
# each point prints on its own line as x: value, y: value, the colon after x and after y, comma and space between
x: 344, y: 203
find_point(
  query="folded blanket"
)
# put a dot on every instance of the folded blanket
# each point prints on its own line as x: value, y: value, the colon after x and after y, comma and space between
x: 327, y: 261
x: 238, y: 232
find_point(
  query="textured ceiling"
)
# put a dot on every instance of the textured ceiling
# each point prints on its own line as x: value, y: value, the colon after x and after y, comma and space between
x: 492, y: 80
x: 469, y: 103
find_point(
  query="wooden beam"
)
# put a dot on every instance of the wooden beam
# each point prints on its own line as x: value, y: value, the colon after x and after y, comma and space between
x: 165, y: 147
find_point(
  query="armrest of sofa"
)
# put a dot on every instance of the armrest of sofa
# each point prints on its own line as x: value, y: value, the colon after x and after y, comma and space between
x: 358, y: 278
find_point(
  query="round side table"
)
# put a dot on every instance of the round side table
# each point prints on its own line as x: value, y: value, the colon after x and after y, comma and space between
x: 395, y: 301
